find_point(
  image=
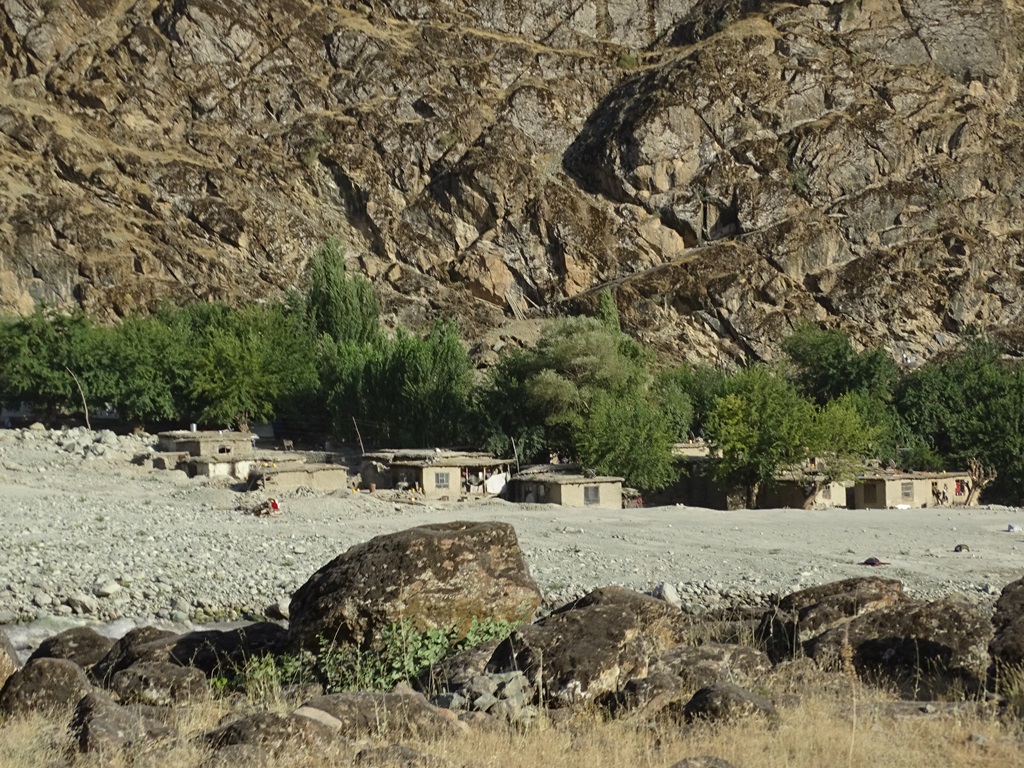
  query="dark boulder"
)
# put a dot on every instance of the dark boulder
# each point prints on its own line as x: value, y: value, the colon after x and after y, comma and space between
x: 1007, y: 646
x: 44, y: 685
x: 271, y: 732
x: 393, y: 715
x: 927, y: 650
x: 701, y: 665
x: 591, y: 648
x: 100, y: 725
x: 82, y: 645
x: 160, y: 683
x: 436, y: 576
x: 724, y: 701
x: 803, y: 615
x: 9, y: 663
x: 209, y: 651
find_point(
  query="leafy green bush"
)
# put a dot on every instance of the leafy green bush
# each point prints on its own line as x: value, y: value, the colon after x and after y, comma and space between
x: 400, y: 654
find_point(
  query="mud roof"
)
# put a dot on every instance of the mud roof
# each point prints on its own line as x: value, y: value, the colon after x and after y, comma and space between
x: 562, y: 473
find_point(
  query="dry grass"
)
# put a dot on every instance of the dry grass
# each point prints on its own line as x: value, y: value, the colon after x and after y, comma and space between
x: 846, y: 728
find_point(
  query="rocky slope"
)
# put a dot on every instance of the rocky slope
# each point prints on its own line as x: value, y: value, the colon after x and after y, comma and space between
x: 726, y: 166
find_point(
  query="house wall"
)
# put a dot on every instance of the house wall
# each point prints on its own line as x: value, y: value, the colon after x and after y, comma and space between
x: 207, y: 447
x: 610, y: 495
x: 429, y: 481
x: 862, y: 497
x: 913, y: 492
x: 323, y: 479
x: 790, y: 493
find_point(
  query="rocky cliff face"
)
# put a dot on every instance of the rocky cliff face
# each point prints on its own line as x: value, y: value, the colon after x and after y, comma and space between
x: 726, y: 167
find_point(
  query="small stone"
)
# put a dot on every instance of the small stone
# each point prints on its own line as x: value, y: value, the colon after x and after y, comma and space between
x: 106, y: 588
x: 665, y: 591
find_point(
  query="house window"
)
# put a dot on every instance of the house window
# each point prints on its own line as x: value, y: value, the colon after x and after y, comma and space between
x: 826, y: 493
x: 907, y: 489
x: 870, y: 493
x: 442, y: 480
x: 224, y: 449
x: 591, y: 494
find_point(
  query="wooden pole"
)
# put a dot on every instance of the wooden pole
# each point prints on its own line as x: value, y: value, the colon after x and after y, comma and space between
x: 362, y: 449
x: 85, y: 406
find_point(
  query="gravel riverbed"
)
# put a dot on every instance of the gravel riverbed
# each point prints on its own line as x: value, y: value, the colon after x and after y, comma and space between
x: 88, y: 536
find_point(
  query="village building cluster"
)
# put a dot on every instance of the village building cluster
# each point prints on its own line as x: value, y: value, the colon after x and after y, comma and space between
x: 450, y: 475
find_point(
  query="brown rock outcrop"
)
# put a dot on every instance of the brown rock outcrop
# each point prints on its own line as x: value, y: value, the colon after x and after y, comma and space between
x: 802, y: 616
x: 591, y: 648
x: 44, y: 686
x: 439, y: 576
x: 726, y: 168
x: 927, y: 650
x: 82, y: 645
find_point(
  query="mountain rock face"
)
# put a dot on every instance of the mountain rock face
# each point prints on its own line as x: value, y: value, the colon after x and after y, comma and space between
x: 725, y: 167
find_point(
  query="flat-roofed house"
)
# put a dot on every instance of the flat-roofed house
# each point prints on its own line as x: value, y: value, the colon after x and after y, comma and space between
x: 895, y: 490
x: 566, y: 485
x: 437, y: 473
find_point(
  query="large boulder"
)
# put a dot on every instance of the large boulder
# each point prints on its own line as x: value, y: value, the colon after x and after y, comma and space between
x: 43, y: 685
x: 160, y: 684
x: 435, y: 576
x: 593, y: 647
x: 1007, y: 646
x: 210, y: 651
x: 82, y: 645
x: 926, y: 649
x: 803, y: 615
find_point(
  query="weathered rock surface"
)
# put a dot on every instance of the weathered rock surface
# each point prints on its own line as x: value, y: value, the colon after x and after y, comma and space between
x: 593, y: 647
x: 8, y: 658
x: 680, y: 672
x: 100, y: 725
x: 853, y: 163
x: 43, y: 685
x: 397, y: 756
x: 393, y: 715
x: 803, y: 615
x: 927, y: 649
x: 1007, y: 646
x: 160, y: 684
x: 435, y: 576
x: 725, y: 701
x: 272, y: 733
x: 208, y: 651
x: 82, y: 645
x: 709, y: 663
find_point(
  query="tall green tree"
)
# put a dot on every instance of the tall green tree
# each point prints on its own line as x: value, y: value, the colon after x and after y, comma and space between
x: 340, y: 305
x: 585, y: 393
x: 38, y: 355
x: 826, y: 366
x: 760, y: 425
x: 966, y: 405
x: 244, y: 365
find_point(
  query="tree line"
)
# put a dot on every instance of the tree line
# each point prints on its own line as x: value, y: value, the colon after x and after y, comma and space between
x: 321, y: 362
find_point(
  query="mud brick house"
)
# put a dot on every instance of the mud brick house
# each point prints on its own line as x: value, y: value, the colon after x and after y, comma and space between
x: 566, y: 485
